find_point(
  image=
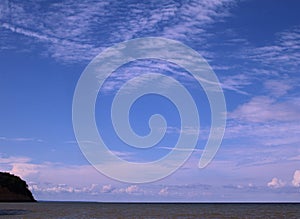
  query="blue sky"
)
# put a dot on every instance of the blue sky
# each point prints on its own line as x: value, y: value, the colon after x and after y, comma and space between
x: 252, y: 46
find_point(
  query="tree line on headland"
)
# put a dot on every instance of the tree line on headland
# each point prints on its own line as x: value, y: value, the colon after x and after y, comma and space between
x: 14, y: 189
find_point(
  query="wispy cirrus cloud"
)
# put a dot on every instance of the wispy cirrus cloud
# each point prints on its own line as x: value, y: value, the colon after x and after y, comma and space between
x: 20, y: 139
x: 72, y: 32
x: 278, y: 88
x: 276, y: 58
x: 273, y: 64
x: 8, y: 160
x: 236, y: 83
x: 143, y: 67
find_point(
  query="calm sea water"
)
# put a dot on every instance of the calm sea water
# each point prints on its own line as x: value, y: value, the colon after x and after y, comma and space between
x: 113, y: 210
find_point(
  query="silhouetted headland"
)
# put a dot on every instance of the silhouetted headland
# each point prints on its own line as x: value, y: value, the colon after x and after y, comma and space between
x: 14, y: 189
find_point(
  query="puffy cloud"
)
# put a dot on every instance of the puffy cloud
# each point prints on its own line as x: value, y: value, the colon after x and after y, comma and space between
x: 276, y: 183
x: 62, y: 188
x: 265, y: 109
x: 107, y: 188
x: 88, y: 189
x: 52, y: 188
x: 132, y: 189
x: 296, y: 180
x: 164, y: 191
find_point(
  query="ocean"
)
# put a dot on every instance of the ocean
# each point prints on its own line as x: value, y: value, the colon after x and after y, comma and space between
x: 73, y: 210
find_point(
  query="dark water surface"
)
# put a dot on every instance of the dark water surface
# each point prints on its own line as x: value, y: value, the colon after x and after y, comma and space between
x: 146, y: 210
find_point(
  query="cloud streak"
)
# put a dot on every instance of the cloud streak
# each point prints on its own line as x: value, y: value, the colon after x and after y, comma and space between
x: 77, y: 32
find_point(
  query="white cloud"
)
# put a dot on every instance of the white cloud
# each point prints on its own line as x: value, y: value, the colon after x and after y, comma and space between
x: 192, y: 16
x: 276, y: 183
x: 107, y: 188
x: 132, y: 189
x: 123, y: 155
x: 25, y: 169
x: 142, y: 67
x: 28, y: 33
x: 21, y: 139
x: 281, y: 55
x: 88, y: 189
x: 236, y: 83
x: 78, y: 31
x: 296, y: 180
x: 19, y: 166
x: 82, y: 177
x: 164, y: 191
x: 269, y: 121
x: 59, y: 188
x: 262, y: 109
x: 13, y: 159
x: 272, y: 133
x: 278, y: 87
x: 180, y: 149
x: 50, y: 188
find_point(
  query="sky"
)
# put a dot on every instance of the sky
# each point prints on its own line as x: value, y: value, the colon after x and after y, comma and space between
x: 252, y: 46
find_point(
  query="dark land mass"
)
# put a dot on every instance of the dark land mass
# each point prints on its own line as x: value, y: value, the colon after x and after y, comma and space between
x: 14, y: 189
